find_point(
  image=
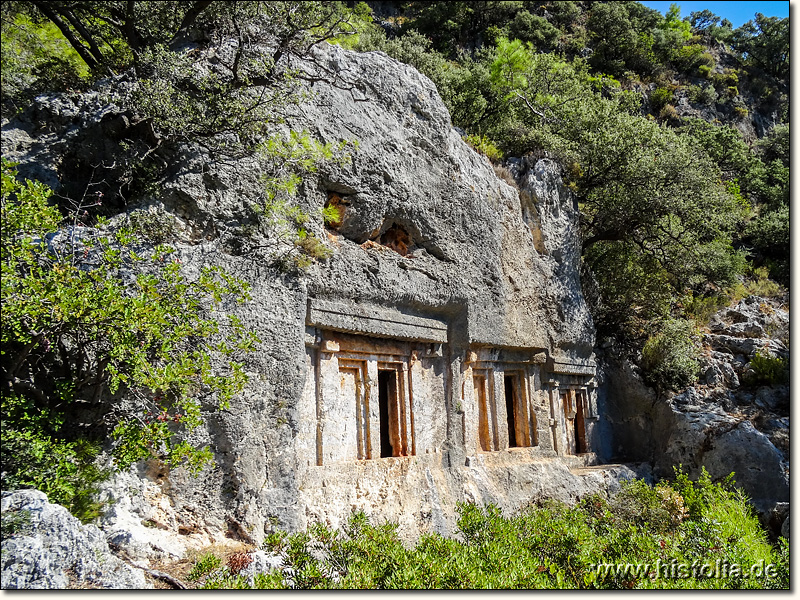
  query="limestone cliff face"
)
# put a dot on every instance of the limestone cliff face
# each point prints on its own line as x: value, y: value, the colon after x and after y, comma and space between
x: 444, y: 351
x: 726, y: 422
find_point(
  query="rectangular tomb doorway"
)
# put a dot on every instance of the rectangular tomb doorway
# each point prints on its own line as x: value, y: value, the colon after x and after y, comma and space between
x: 511, y: 402
x: 392, y: 411
x: 574, y: 402
x: 580, y: 423
x: 518, y: 415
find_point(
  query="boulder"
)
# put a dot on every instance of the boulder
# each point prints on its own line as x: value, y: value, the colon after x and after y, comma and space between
x: 48, y: 548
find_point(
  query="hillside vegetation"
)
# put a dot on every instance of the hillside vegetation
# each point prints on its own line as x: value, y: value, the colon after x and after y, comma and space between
x: 671, y: 536
x: 672, y: 132
x: 674, y: 209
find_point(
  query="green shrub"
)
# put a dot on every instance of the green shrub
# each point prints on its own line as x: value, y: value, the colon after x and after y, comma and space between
x: 728, y: 78
x: 545, y: 546
x: 740, y: 112
x: 77, y: 329
x: 691, y: 56
x: 659, y: 99
x: 153, y: 226
x: 534, y: 29
x: 768, y: 369
x: 769, y: 233
x: 702, y: 94
x: 669, y: 113
x: 207, y: 563
x: 32, y: 458
x: 485, y: 146
x: 669, y: 358
x: 701, y: 308
x: 660, y: 509
x: 704, y: 70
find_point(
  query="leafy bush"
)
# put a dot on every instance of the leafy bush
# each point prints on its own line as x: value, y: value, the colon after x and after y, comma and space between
x: 78, y: 329
x: 669, y: 113
x: 701, y: 308
x: 728, y: 78
x: 534, y: 29
x: 545, y: 546
x: 669, y: 358
x: 769, y: 233
x: 691, y: 56
x: 483, y: 145
x: 204, y: 565
x: 702, y: 94
x: 768, y: 369
x: 659, y: 99
x: 66, y: 471
x: 152, y: 226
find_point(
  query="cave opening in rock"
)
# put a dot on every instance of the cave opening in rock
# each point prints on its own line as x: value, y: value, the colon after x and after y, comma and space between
x: 335, y: 207
x: 397, y: 239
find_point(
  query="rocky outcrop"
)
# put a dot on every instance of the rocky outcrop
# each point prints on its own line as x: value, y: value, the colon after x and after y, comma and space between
x: 438, y: 267
x: 728, y: 422
x: 45, y: 547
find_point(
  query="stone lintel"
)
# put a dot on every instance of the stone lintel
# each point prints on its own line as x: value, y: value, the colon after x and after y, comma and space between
x: 506, y: 355
x: 565, y: 367
x: 365, y: 319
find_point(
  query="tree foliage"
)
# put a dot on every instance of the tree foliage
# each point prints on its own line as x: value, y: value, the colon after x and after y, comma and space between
x: 90, y: 315
x: 639, y: 184
x: 669, y: 358
x: 764, y: 43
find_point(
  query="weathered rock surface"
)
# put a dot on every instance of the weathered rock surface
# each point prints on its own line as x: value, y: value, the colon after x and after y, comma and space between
x: 725, y: 423
x: 483, y: 286
x: 51, y: 549
x: 495, y: 266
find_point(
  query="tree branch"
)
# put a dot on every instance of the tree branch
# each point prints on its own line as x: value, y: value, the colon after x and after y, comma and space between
x: 190, y: 17
x: 83, y: 51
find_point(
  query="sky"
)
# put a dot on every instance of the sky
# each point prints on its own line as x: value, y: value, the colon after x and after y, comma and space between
x: 737, y: 12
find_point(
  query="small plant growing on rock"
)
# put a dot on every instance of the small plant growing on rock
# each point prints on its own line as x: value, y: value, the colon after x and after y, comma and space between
x: 483, y: 145
x: 154, y: 227
x: 699, y: 94
x: 14, y: 522
x: 239, y: 561
x: 205, y: 565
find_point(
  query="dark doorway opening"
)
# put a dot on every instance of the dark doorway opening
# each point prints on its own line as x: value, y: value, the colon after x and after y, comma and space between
x: 387, y: 401
x: 511, y: 394
x: 580, y: 424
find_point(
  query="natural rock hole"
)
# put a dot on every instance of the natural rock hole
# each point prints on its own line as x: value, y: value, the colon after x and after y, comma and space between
x: 396, y: 238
